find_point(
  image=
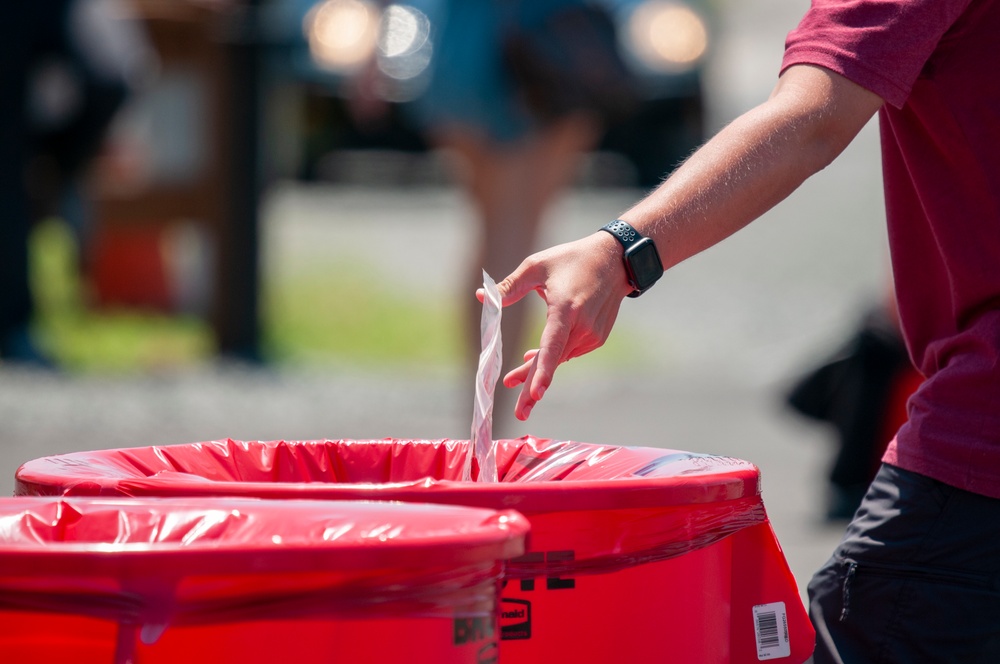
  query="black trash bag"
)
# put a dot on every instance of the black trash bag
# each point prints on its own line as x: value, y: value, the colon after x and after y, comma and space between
x: 851, y: 392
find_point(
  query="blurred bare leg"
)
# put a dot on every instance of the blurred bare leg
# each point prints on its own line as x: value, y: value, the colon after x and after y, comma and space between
x: 512, y: 185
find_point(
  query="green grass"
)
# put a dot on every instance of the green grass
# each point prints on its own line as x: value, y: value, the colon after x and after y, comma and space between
x: 332, y: 313
x: 316, y: 314
x: 83, y: 339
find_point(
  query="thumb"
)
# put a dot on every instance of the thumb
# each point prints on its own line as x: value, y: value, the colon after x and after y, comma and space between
x: 528, y: 277
x: 516, y: 285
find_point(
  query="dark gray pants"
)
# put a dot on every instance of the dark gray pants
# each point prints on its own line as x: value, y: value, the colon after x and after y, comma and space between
x: 915, y: 580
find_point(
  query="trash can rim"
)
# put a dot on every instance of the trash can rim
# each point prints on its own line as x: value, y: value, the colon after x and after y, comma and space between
x: 458, y: 535
x: 638, y: 479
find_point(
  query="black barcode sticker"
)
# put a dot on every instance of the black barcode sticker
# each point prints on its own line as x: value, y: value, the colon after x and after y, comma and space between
x: 770, y: 622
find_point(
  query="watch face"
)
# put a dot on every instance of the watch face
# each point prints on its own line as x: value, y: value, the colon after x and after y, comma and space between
x: 645, y: 263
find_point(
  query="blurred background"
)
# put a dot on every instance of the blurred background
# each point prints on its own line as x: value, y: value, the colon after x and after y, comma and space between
x: 248, y: 256
x: 229, y: 111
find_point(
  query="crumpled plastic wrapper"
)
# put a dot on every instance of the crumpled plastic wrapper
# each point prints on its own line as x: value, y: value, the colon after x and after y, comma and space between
x: 483, y: 448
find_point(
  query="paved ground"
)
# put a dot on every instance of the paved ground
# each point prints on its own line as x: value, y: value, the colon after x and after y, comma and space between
x: 720, y: 337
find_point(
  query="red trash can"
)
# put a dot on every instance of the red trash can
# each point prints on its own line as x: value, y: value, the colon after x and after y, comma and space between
x: 227, y: 581
x: 636, y: 554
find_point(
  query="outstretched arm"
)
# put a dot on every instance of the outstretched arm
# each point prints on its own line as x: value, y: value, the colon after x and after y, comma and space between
x: 747, y: 168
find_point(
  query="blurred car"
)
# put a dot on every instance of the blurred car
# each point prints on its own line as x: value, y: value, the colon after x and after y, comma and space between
x: 665, y: 43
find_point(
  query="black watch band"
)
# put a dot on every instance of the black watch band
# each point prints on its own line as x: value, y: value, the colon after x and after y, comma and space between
x: 642, y: 261
x: 623, y: 232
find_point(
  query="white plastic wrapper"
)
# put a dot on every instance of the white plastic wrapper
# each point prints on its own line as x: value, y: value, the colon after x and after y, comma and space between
x: 490, y: 361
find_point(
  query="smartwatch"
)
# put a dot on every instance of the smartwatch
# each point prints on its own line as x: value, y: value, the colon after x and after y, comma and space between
x: 642, y: 261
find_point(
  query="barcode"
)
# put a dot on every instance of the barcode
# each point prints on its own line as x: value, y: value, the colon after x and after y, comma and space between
x: 771, y: 631
x: 767, y: 630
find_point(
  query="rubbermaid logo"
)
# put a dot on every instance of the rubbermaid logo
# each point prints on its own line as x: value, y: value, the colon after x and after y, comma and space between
x: 515, y: 619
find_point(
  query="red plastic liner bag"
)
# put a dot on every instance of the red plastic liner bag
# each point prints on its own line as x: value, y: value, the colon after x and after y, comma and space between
x: 636, y: 554
x: 227, y: 581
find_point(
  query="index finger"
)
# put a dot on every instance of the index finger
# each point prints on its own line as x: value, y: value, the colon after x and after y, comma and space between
x: 551, y: 352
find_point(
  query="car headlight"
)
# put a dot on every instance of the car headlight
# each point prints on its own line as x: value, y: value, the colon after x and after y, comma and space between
x: 342, y: 33
x: 667, y: 36
x: 404, y: 46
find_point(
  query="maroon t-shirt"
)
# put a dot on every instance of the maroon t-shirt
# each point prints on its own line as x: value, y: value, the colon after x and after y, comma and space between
x: 937, y: 65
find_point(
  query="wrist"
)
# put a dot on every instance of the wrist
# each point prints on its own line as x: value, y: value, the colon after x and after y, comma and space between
x: 610, y: 252
x: 640, y: 257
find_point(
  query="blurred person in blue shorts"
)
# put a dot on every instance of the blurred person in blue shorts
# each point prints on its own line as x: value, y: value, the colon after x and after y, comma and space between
x: 512, y: 159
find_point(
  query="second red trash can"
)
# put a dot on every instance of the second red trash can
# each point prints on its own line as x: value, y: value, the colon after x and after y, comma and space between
x: 241, y: 581
x: 636, y: 554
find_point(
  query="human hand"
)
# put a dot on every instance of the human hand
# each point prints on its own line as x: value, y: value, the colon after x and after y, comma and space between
x: 583, y: 284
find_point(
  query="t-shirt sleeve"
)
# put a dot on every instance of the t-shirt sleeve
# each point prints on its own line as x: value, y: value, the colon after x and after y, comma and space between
x: 882, y: 45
